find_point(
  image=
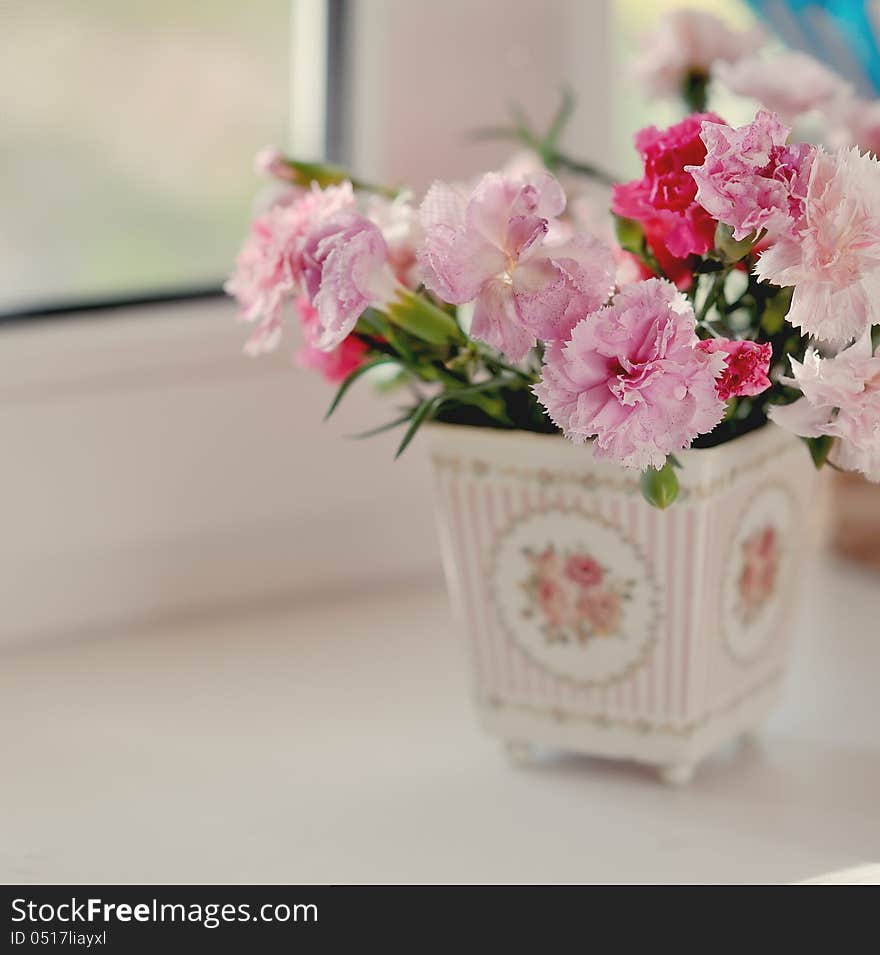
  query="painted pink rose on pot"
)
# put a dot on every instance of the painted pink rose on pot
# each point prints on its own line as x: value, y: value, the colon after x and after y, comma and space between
x: 757, y: 582
x: 571, y: 595
x: 602, y: 610
x: 583, y: 570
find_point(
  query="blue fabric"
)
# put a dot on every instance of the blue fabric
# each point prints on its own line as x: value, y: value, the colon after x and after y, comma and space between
x: 839, y: 32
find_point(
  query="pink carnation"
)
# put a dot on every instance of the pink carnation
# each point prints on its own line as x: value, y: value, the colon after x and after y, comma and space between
x: 345, y: 271
x: 398, y: 221
x: 789, y: 82
x: 632, y: 377
x: 664, y: 199
x: 268, y: 270
x: 833, y: 257
x: 750, y: 179
x: 688, y: 42
x: 489, y: 248
x: 337, y: 363
x: 856, y: 122
x: 269, y: 161
x: 841, y: 399
x: 747, y: 369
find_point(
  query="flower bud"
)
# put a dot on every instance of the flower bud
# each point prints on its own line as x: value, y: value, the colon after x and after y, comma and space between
x: 659, y: 487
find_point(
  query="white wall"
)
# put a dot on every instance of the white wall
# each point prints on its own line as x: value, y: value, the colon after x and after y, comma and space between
x: 424, y: 74
x: 149, y: 469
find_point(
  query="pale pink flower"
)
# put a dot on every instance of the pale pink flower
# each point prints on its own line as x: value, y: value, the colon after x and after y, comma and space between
x: 265, y: 338
x: 523, y: 164
x: 489, y: 248
x: 750, y: 179
x: 398, y: 221
x: 268, y: 269
x: 833, y: 257
x: 788, y: 82
x: 856, y: 122
x: 334, y: 364
x: 558, y: 602
x: 688, y: 42
x: 632, y: 377
x: 589, y: 211
x: 269, y: 161
x: 345, y: 271
x: 602, y: 610
x: 275, y: 193
x: 841, y: 399
x: 747, y: 367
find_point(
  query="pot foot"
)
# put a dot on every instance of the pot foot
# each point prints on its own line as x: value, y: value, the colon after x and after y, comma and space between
x: 677, y: 774
x: 518, y: 752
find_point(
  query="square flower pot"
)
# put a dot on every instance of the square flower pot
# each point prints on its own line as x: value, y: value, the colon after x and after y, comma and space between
x: 599, y: 624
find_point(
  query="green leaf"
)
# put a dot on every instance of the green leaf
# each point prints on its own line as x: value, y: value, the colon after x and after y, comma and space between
x: 591, y: 171
x: 325, y: 174
x: 775, y: 310
x: 732, y: 250
x: 353, y: 377
x: 820, y: 448
x: 388, y: 426
x: 630, y: 235
x: 560, y: 121
x: 659, y: 487
x: 418, y: 418
x: 470, y: 394
x: 514, y: 133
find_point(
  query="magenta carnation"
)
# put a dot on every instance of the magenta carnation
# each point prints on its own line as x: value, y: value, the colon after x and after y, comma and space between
x: 632, y: 378
x: 664, y: 199
x: 747, y: 368
x: 750, y: 179
x: 489, y: 248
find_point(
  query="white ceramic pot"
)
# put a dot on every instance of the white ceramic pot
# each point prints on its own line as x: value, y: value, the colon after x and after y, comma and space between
x: 599, y: 624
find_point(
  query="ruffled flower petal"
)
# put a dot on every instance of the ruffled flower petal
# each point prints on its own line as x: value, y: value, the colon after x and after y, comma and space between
x: 632, y: 378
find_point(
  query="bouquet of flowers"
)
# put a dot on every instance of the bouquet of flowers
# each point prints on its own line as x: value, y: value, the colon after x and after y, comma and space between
x: 741, y: 282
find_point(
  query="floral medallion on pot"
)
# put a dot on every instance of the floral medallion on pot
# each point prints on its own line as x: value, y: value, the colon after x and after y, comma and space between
x: 757, y: 577
x: 575, y: 594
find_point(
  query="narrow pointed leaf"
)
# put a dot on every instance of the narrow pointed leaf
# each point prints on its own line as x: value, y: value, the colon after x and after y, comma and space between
x: 388, y: 426
x: 820, y: 448
x: 418, y: 419
x: 560, y: 120
x: 353, y: 377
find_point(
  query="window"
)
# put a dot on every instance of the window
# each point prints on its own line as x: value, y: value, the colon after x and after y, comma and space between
x: 127, y: 141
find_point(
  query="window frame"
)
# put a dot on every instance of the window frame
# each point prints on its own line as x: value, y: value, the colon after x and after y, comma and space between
x: 309, y: 22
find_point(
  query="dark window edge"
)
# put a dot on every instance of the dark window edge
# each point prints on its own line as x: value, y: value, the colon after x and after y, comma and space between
x: 61, y: 310
x: 337, y: 126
